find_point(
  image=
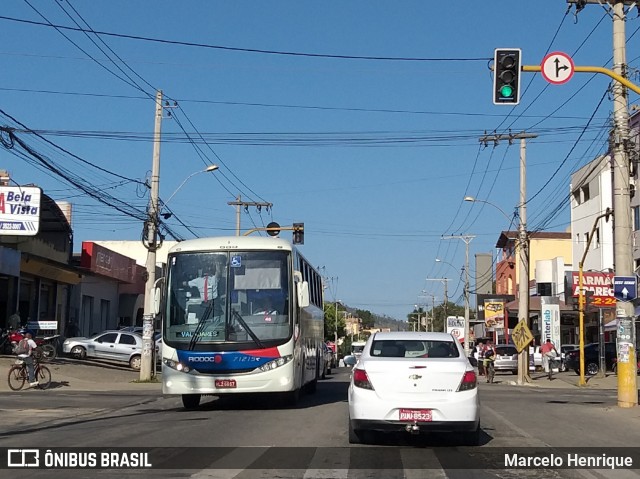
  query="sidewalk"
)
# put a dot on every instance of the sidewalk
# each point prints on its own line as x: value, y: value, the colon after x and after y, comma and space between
x: 86, y: 375
x: 564, y: 380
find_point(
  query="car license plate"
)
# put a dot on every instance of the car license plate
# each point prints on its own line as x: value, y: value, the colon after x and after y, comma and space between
x: 418, y: 415
x: 225, y: 383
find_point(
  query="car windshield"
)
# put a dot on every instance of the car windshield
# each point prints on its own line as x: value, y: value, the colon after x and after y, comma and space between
x: 399, y: 348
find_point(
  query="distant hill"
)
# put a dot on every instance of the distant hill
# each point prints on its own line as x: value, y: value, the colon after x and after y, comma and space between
x: 392, y: 324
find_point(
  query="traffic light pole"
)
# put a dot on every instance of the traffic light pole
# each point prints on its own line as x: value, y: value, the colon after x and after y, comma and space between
x: 622, y: 232
x: 581, y: 295
x: 623, y: 258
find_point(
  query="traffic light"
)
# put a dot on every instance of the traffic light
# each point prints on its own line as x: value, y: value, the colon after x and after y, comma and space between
x: 298, y: 233
x: 506, y: 77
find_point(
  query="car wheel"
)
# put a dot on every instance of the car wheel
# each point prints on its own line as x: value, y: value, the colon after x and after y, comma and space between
x: 592, y: 369
x: 191, y: 401
x: 78, y: 352
x: 135, y: 362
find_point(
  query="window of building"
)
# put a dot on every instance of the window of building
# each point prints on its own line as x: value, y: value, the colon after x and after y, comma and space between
x: 636, y: 218
x: 585, y: 193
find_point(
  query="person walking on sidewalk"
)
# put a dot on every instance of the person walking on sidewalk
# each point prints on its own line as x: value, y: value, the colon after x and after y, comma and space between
x: 549, y: 353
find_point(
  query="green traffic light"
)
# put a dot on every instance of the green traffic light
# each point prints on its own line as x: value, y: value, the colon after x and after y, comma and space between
x: 506, y: 91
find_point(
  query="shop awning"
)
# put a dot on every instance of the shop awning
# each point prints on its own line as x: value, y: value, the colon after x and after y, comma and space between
x: 49, y: 269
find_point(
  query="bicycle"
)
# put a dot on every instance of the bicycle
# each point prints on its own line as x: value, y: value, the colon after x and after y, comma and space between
x: 18, y: 375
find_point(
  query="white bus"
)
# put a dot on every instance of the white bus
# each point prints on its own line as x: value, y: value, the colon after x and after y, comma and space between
x: 240, y: 315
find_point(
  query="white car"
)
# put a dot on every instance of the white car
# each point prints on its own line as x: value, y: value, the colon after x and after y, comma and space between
x: 415, y: 382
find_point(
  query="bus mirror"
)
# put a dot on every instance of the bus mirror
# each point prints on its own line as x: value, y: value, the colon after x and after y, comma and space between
x: 303, y: 294
x: 156, y: 300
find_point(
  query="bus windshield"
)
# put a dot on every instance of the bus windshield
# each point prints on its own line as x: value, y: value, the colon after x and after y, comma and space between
x: 238, y: 296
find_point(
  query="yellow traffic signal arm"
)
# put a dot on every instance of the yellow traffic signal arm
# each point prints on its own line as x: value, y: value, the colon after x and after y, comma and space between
x: 589, y: 69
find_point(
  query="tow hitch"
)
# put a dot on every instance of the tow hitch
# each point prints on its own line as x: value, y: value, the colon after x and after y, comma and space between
x: 413, y: 428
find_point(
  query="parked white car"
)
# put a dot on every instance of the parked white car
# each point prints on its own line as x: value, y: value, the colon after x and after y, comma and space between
x: 414, y: 382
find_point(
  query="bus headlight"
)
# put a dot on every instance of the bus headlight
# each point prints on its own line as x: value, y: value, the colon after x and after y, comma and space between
x: 276, y: 363
x: 176, y: 365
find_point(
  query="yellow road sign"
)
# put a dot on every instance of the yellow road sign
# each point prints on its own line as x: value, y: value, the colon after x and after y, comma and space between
x: 521, y: 336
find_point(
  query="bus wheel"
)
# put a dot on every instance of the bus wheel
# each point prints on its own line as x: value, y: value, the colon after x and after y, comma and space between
x: 191, y: 401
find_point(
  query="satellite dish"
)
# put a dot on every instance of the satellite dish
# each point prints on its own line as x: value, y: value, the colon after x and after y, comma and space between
x: 273, y: 232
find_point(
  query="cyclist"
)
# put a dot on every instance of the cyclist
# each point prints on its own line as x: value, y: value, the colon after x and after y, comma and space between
x: 489, y: 357
x: 25, y: 352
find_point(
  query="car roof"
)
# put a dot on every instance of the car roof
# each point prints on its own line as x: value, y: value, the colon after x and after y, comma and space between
x: 412, y: 335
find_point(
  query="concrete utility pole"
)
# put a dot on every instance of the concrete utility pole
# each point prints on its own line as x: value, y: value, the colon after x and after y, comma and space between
x: 152, y: 231
x: 523, y: 245
x: 446, y: 296
x: 467, y: 239
x: 622, y: 232
x: 239, y: 203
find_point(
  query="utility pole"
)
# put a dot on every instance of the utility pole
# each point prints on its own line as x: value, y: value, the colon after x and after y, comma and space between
x: 239, y: 203
x: 446, y: 296
x: 622, y: 233
x: 467, y: 239
x: 523, y: 245
x: 151, y: 245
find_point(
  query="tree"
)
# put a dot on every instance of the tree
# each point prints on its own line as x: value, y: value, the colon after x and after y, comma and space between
x: 368, y: 321
x: 330, y: 321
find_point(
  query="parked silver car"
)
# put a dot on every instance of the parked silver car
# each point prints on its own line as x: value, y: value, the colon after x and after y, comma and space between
x: 506, y: 358
x: 111, y: 345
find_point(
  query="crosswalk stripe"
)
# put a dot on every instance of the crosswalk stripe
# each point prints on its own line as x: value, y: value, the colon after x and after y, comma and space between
x: 324, y: 461
x: 417, y: 461
x: 327, y: 463
x: 227, y: 466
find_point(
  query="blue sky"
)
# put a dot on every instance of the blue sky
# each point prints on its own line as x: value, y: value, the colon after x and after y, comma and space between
x: 363, y: 122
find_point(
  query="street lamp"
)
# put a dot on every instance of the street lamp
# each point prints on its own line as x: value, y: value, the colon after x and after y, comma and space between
x: 471, y: 199
x: 206, y: 170
x: 152, y: 225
